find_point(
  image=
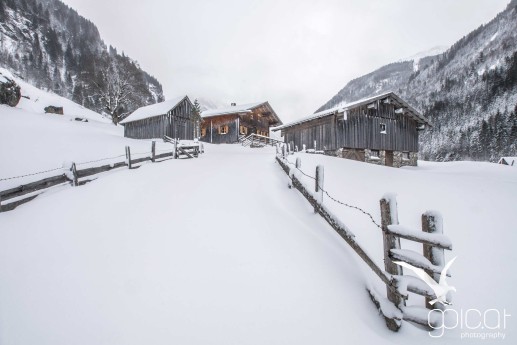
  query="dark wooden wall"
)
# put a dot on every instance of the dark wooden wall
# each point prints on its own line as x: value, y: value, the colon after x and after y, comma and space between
x: 361, y: 130
x: 178, y: 123
x: 211, y: 126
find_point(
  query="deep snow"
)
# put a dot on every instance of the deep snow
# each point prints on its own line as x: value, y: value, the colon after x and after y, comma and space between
x: 219, y: 250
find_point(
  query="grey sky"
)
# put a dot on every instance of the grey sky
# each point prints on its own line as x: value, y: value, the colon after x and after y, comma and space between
x: 295, y: 54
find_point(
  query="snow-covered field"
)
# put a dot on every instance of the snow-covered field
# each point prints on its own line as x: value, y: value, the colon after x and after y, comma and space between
x: 218, y: 250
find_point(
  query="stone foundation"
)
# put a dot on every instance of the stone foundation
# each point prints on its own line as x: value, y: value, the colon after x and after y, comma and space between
x: 365, y: 155
x: 400, y: 161
x: 368, y: 158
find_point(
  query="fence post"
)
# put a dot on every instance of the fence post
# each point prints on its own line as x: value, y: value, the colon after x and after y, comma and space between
x: 128, y: 156
x: 389, y: 216
x: 318, y: 184
x: 75, y: 180
x: 283, y: 151
x: 298, y: 163
x: 304, y: 148
x: 289, y: 148
x: 432, y: 223
x: 153, y: 151
x: 296, y: 148
x: 175, y: 155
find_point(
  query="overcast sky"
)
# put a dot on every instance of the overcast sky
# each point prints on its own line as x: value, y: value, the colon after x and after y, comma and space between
x: 294, y: 53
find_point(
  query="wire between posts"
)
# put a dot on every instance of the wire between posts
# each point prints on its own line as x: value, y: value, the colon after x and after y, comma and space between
x: 33, y: 174
x: 100, y: 160
x: 334, y: 199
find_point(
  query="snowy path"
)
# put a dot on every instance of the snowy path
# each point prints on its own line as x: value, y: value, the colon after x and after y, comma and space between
x: 211, y: 251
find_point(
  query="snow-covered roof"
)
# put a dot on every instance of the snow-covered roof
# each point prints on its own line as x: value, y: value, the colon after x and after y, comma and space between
x: 509, y: 161
x: 241, y: 108
x: 410, y: 111
x: 152, y: 110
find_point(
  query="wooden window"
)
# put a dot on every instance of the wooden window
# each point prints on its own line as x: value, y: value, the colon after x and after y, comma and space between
x: 244, y: 130
x: 405, y: 156
x: 223, y: 129
x: 374, y: 154
x: 383, y: 128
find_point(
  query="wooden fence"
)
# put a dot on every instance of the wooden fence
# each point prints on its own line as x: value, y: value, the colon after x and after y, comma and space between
x: 14, y: 197
x: 393, y: 306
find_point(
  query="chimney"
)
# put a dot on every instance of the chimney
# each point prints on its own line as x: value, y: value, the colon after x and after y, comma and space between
x: 234, y: 104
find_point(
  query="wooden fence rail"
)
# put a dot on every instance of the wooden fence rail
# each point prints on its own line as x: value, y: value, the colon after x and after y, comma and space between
x: 72, y: 175
x: 398, y: 285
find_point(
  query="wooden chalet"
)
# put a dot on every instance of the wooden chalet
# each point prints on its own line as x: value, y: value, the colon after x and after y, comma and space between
x: 226, y: 125
x: 381, y: 130
x: 174, y: 118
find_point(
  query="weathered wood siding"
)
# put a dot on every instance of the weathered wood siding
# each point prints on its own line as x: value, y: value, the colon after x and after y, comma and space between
x: 361, y: 130
x: 324, y: 131
x: 211, y: 128
x: 178, y: 123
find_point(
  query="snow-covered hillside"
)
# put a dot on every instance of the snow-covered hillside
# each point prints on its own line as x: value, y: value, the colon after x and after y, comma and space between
x: 35, y: 100
x: 33, y: 141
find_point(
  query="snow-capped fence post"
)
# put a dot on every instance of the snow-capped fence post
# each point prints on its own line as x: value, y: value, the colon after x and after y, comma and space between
x: 296, y: 148
x: 315, y: 147
x: 389, y: 216
x: 289, y: 148
x: 432, y: 223
x: 283, y: 151
x: 304, y: 148
x: 318, y: 185
x: 75, y: 178
x: 153, y: 151
x: 298, y: 163
x: 128, y: 156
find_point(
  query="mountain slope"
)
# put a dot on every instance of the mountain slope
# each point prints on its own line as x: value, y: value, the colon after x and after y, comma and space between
x: 52, y: 47
x: 469, y: 92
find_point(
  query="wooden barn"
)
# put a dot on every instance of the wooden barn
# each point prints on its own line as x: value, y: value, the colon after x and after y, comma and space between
x: 175, y: 118
x: 226, y: 125
x: 381, y: 130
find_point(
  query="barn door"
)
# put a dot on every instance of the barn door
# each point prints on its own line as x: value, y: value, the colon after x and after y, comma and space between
x: 389, y: 158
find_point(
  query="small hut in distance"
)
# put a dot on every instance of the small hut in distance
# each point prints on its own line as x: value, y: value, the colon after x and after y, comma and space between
x: 175, y: 118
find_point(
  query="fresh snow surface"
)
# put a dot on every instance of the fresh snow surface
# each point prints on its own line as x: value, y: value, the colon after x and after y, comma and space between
x: 211, y: 250
x: 218, y: 250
